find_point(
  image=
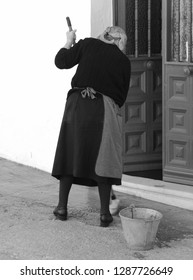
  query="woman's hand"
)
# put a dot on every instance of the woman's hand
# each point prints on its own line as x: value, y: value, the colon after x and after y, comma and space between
x: 70, y: 38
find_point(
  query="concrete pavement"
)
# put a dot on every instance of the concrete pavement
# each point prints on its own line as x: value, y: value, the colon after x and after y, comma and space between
x: 28, y: 229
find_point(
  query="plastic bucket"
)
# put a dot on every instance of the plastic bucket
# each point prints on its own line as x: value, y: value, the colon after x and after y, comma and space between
x: 140, y: 227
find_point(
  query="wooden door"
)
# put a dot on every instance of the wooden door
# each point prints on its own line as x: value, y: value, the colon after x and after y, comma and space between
x: 142, y: 112
x: 178, y: 91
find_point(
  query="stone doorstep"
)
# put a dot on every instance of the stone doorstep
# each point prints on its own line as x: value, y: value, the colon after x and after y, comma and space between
x: 164, y: 192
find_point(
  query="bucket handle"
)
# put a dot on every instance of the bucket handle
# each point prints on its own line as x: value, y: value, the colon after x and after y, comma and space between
x: 132, y: 207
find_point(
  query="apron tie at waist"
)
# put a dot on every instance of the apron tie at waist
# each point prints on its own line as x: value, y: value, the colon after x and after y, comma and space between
x: 88, y: 92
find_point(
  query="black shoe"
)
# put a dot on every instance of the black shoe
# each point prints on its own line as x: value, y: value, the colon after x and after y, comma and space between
x: 105, y: 219
x: 60, y: 213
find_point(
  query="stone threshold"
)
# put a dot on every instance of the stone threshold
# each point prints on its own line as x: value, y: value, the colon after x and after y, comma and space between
x: 164, y: 192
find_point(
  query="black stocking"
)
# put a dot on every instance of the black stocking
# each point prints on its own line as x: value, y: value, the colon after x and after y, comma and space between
x: 104, y: 194
x: 65, y: 186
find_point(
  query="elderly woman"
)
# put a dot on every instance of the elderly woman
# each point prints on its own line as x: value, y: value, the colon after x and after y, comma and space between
x: 89, y: 149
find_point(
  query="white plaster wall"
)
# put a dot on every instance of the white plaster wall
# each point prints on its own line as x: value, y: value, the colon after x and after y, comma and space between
x: 101, y: 16
x: 32, y: 90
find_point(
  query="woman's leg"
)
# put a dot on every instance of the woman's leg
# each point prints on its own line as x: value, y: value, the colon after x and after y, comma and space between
x: 64, y: 189
x: 104, y: 194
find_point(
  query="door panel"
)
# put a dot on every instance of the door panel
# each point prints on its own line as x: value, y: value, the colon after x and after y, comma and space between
x: 178, y: 92
x: 142, y: 117
x: 178, y: 154
x: 142, y: 112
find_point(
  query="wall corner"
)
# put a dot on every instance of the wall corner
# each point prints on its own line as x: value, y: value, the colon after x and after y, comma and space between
x: 101, y: 16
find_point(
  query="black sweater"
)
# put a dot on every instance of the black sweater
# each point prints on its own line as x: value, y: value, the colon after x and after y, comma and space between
x: 100, y: 66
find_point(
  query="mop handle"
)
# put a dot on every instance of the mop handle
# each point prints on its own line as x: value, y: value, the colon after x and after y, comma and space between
x: 69, y: 23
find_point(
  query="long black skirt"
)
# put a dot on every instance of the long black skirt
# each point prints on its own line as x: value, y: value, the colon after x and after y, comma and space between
x: 90, y: 144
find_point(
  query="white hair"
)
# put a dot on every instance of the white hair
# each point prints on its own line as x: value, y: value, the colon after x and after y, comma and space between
x: 117, y: 34
x: 116, y: 30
